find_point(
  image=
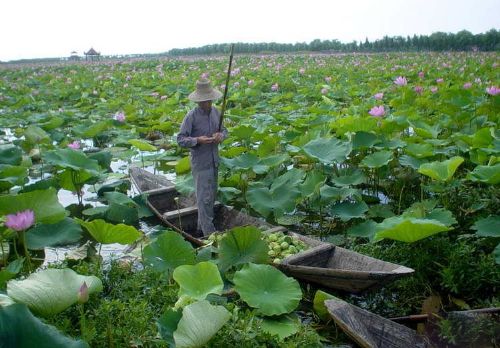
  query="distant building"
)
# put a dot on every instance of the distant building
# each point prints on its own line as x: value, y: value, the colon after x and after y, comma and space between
x: 74, y: 56
x: 92, y: 55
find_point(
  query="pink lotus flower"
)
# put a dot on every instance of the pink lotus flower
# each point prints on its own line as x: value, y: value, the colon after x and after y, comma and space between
x: 83, y: 293
x: 274, y: 87
x: 163, y: 97
x: 205, y: 75
x: 236, y: 84
x: 75, y: 145
x: 328, y: 79
x: 418, y: 89
x: 20, y: 221
x: 302, y: 71
x: 378, y: 96
x: 251, y: 83
x: 440, y: 80
x: 401, y: 81
x: 155, y: 94
x: 434, y: 89
x: 120, y: 116
x: 324, y: 90
x: 493, y: 90
x: 421, y: 74
x: 377, y: 111
x: 467, y: 85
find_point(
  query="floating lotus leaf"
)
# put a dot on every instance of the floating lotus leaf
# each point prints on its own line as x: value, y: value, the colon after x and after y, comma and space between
x: 486, y: 174
x: 377, y: 159
x: 69, y: 158
x: 241, y: 245
x: 197, y: 281
x: 51, y: 291
x: 328, y: 150
x: 408, y: 230
x: 348, y: 210
x: 282, y: 326
x: 488, y: 227
x: 44, y: 203
x: 169, y: 251
x: 107, y: 233
x: 66, y: 231
x: 10, y: 154
x: 441, y: 171
x: 142, y: 145
x: 267, y: 289
x: 19, y: 328
x: 199, y: 323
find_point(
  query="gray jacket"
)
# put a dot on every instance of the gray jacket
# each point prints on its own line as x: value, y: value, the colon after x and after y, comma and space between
x: 197, y: 123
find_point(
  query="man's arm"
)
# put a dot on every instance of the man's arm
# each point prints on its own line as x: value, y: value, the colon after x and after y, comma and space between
x: 184, y: 138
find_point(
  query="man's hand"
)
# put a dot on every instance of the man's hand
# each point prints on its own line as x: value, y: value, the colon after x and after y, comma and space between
x: 218, y: 137
x: 205, y: 140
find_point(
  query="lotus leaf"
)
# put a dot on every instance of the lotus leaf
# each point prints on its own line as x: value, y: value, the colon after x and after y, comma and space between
x: 282, y: 326
x: 328, y: 150
x: 486, y: 174
x: 167, y: 324
x: 169, y: 251
x: 278, y: 201
x: 377, y: 159
x: 488, y: 227
x: 241, y: 245
x: 267, y: 289
x: 408, y: 230
x: 441, y: 171
x: 142, y: 145
x: 107, y: 233
x: 10, y: 154
x: 348, y: 210
x: 197, y: 281
x: 66, y: 231
x: 71, y: 159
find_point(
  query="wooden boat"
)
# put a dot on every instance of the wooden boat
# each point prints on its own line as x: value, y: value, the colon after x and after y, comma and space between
x: 323, y: 263
x: 370, y: 330
x: 342, y: 269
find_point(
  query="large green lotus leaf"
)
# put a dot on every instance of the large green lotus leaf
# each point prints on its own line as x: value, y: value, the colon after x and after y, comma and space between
x: 167, y: 324
x: 291, y: 178
x: 319, y: 304
x: 362, y: 140
x: 122, y: 214
x: 52, y: 123
x: 330, y: 194
x: 10, y: 271
x: 488, y: 227
x: 21, y: 329
x: 311, y: 185
x: 197, y: 281
x: 183, y: 165
x: 349, y: 210
x: 184, y: 184
x: 328, y: 150
x: 10, y: 154
x: 69, y: 158
x: 408, y: 230
x: 420, y: 150
x: 409, y: 161
x: 282, y: 326
x: 199, y: 323
x: 267, y: 289
x: 11, y: 176
x: 486, y: 174
x: 119, y: 198
x: 36, y: 135
x: 64, y: 232
x: 51, y: 291
x: 377, y: 159
x: 274, y: 160
x: 441, y: 171
x: 246, y: 161
x: 279, y: 201
x: 103, y: 158
x: 169, y: 251
x: 425, y: 130
x: 142, y: 145
x: 107, y: 233
x: 242, y: 132
x: 93, y: 130
x: 241, y: 245
x: 44, y: 203
x: 366, y: 229
x: 69, y: 178
x: 355, y: 177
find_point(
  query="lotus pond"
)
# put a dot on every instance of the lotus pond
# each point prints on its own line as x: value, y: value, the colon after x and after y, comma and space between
x: 396, y: 156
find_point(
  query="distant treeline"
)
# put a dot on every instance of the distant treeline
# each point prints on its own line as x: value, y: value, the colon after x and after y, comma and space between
x: 439, y: 41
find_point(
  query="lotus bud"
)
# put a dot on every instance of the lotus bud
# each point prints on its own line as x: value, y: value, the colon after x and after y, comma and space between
x: 83, y: 293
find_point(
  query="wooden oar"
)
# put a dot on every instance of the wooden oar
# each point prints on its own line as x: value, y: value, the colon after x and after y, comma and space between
x: 226, y: 88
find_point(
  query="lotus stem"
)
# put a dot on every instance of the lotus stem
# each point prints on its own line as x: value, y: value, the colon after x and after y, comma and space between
x: 22, y: 238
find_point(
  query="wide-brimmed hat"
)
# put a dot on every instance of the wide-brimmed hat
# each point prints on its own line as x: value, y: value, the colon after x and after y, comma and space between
x: 204, y: 91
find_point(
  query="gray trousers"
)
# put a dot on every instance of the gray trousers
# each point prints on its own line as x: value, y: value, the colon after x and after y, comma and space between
x: 205, y: 182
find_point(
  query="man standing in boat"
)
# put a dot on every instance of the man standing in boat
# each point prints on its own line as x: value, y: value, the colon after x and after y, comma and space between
x: 200, y: 133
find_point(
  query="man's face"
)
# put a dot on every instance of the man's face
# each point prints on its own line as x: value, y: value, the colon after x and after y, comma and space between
x: 205, y: 105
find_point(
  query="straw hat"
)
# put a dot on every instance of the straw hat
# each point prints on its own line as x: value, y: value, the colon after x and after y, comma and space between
x: 204, y: 91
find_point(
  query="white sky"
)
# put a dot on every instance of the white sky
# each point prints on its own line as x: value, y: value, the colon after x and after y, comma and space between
x: 54, y: 28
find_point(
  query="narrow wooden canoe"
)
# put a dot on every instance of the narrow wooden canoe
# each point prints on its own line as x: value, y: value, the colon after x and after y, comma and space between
x: 323, y: 263
x: 339, y: 268
x: 370, y: 330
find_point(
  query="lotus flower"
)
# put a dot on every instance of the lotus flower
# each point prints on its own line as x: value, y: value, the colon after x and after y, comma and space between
x: 251, y: 83
x: 302, y: 71
x: 20, y: 221
x: 83, y: 293
x: 377, y: 111
x: 440, y: 80
x: 163, y: 97
x: 378, y: 96
x: 205, y: 75
x: 467, y: 85
x: 434, y: 89
x: 493, y: 90
x: 274, y: 87
x: 75, y: 145
x: 401, y: 81
x: 418, y: 89
x: 421, y: 74
x: 236, y: 84
x: 328, y: 79
x: 120, y: 116
x: 324, y: 90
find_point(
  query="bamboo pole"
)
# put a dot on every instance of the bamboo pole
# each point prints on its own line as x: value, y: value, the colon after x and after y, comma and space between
x: 226, y: 88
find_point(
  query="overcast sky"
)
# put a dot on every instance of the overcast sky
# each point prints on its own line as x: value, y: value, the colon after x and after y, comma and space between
x: 54, y: 28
